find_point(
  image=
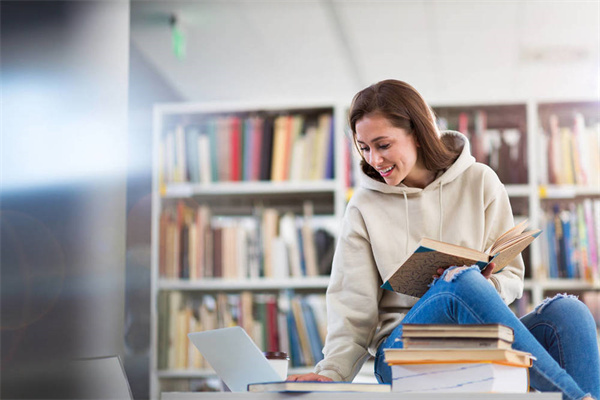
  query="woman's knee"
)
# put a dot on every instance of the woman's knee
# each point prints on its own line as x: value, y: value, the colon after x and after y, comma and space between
x: 564, y: 307
x: 465, y: 272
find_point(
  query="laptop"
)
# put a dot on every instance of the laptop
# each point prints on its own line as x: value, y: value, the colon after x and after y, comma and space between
x: 235, y: 357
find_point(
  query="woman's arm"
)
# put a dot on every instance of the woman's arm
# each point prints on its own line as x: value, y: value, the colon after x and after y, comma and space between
x: 353, y: 296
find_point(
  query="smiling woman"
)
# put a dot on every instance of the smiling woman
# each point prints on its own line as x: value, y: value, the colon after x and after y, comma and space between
x: 419, y: 183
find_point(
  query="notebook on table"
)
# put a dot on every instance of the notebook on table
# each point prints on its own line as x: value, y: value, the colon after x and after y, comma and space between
x: 235, y: 357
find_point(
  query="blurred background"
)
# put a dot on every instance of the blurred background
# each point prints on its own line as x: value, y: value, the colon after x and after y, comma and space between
x: 79, y: 80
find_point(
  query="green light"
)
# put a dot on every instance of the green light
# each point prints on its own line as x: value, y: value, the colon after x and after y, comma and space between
x: 178, y: 43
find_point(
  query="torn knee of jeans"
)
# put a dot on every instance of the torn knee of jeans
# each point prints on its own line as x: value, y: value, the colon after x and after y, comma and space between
x: 548, y: 300
x: 453, y: 272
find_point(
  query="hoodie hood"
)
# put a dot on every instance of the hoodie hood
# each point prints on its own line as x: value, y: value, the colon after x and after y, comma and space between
x: 452, y: 139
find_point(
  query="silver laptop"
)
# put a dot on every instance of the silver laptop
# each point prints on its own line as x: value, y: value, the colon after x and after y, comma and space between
x: 235, y: 357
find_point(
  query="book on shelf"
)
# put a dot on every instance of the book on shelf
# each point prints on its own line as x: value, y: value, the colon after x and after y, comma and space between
x: 497, y: 136
x: 414, y: 275
x: 194, y: 245
x: 248, y: 147
x: 571, y: 239
x: 569, y: 149
x: 457, y: 377
x: 290, y: 386
x: 293, y: 324
x: 463, y: 356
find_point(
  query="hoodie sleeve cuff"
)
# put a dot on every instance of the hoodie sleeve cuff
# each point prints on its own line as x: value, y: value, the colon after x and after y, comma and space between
x: 330, y: 374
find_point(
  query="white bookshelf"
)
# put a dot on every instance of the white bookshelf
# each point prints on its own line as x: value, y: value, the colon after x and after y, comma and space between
x: 235, y: 199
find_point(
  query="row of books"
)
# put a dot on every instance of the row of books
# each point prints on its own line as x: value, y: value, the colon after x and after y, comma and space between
x: 194, y: 244
x: 570, y: 155
x: 571, y: 239
x: 290, y: 147
x: 504, y: 150
x: 291, y: 323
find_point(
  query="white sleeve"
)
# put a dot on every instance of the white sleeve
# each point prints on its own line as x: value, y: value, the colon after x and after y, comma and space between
x: 352, y: 301
x: 499, y: 219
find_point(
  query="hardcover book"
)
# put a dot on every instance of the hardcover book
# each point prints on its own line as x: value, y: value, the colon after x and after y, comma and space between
x: 464, y: 336
x: 414, y: 275
x: 449, y: 378
x: 448, y: 331
x: 289, y: 386
x: 464, y: 356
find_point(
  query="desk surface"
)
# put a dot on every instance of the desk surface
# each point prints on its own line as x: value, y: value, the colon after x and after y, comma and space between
x: 357, y: 396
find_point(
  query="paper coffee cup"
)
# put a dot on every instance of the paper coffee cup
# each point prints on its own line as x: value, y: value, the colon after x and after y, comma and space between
x: 279, y: 360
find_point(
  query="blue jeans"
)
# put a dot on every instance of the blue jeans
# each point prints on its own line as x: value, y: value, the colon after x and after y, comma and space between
x: 560, y: 333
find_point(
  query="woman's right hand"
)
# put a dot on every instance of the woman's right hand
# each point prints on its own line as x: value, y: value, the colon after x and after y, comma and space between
x: 312, y: 377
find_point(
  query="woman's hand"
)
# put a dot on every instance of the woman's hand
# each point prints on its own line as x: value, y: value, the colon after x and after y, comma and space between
x: 309, y: 377
x: 439, y: 272
x: 487, y: 271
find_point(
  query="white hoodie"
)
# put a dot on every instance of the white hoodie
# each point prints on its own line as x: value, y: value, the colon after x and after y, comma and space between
x: 466, y: 205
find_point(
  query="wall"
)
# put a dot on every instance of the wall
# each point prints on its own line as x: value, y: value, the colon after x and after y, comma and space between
x: 63, y: 169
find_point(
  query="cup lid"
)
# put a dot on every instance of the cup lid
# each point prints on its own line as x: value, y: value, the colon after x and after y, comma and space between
x: 276, y: 355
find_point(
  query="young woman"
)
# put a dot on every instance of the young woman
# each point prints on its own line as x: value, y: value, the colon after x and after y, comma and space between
x: 419, y: 183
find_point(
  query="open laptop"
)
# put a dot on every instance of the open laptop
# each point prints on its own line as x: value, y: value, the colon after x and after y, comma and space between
x: 235, y: 357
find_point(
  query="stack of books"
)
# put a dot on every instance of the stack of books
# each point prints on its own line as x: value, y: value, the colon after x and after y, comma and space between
x: 458, y: 358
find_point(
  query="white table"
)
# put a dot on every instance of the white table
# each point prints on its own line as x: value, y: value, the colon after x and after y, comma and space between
x: 357, y: 396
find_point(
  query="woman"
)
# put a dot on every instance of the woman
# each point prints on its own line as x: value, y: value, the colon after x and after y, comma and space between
x: 417, y: 183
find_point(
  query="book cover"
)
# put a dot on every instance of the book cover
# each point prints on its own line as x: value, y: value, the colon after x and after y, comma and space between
x: 247, y: 150
x: 257, y: 148
x: 191, y: 148
x: 280, y: 140
x: 204, y: 159
x: 301, y: 328
x: 266, y: 158
x: 235, y: 149
x: 289, y: 386
x: 314, y: 337
x: 414, y: 275
x: 213, y: 138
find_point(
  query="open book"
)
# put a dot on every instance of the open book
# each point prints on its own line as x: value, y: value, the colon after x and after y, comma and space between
x: 415, y: 274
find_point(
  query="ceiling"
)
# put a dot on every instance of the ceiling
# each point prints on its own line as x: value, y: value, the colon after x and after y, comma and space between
x: 450, y: 50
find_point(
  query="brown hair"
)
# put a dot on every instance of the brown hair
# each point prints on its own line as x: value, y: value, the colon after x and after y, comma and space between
x: 405, y: 108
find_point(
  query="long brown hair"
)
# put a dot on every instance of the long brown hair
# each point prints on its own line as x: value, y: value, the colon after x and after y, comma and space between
x: 405, y: 108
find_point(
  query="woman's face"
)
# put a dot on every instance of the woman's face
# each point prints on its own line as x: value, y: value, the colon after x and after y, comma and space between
x: 392, y: 151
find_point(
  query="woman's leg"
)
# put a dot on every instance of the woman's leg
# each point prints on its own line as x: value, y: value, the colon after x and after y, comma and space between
x: 464, y: 296
x: 566, y: 329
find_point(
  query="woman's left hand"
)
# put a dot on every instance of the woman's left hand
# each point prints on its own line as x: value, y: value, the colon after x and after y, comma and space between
x: 487, y: 271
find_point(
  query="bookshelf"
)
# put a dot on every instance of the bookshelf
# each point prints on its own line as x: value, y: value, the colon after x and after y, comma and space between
x: 534, y: 188
x: 517, y: 129
x: 236, y: 196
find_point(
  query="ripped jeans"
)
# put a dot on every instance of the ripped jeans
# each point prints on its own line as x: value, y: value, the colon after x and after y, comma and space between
x: 560, y: 333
